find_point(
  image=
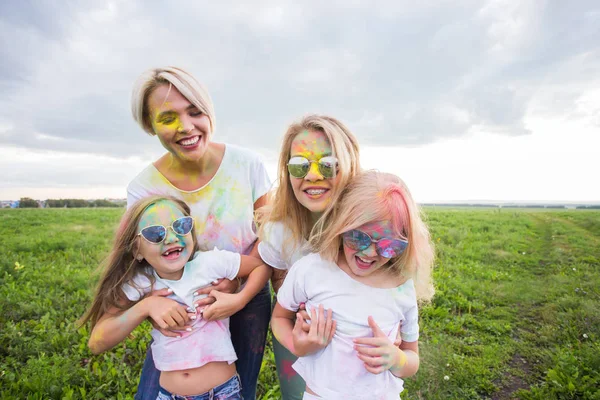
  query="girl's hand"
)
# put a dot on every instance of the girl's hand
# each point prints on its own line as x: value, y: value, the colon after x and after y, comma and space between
x: 168, y: 316
x: 378, y: 352
x: 319, y: 335
x: 305, y: 317
x: 225, y: 306
x: 221, y: 285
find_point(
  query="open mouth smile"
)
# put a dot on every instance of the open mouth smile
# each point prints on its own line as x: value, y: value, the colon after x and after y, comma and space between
x: 189, y: 141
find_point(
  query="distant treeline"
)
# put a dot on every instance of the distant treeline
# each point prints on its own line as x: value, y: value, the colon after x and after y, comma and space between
x: 553, y: 206
x: 26, y: 202
x: 80, y: 203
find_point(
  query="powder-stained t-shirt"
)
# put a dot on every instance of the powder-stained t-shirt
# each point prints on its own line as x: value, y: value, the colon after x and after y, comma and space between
x: 223, y: 209
x: 209, y: 340
x: 277, y: 247
x: 336, y: 372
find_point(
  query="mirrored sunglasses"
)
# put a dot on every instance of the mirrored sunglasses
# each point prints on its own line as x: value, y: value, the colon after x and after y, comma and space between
x: 385, y: 247
x: 157, y: 233
x: 298, y: 167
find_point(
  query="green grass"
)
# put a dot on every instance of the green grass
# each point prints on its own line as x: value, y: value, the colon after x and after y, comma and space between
x: 516, y: 313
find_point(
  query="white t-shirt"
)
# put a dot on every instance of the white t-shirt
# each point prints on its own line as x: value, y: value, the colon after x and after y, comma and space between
x: 336, y: 372
x: 208, y: 341
x: 276, y: 236
x: 223, y: 209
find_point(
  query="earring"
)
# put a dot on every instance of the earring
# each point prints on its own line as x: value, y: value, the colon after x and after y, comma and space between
x: 139, y: 258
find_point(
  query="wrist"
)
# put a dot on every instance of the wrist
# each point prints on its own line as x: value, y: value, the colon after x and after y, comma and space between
x: 401, y: 360
x: 144, y: 306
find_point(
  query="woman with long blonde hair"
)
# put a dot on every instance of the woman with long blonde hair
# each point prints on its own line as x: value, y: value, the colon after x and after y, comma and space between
x: 319, y: 155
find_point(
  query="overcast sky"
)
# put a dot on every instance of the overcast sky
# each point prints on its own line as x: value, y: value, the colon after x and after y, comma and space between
x: 465, y: 100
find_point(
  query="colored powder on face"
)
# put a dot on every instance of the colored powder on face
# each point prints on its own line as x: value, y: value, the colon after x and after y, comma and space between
x: 311, y: 144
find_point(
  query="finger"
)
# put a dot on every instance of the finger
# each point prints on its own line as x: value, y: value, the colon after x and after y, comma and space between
x: 376, y: 329
x: 374, y: 370
x: 304, y: 314
x: 302, y: 307
x: 214, y: 293
x: 305, y: 326
x: 192, y: 316
x: 313, y: 322
x: 333, y: 327
x: 204, y: 302
x: 299, y: 324
x: 178, y: 318
x: 371, y: 341
x: 397, y: 342
x: 203, y: 290
x: 168, y: 333
x: 207, y: 314
x: 162, y: 292
x: 321, y: 323
x: 370, y: 351
x: 328, y: 324
x: 372, y: 361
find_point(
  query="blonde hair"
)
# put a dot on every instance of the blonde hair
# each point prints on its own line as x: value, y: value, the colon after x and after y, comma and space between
x: 377, y: 196
x: 283, y: 205
x: 121, y: 266
x: 183, y: 81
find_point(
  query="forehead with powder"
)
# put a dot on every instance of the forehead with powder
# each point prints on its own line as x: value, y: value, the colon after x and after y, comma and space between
x: 311, y: 144
x: 378, y: 229
x: 160, y: 213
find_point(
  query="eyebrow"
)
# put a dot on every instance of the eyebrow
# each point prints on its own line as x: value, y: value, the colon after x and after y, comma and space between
x: 165, y: 113
x: 326, y: 154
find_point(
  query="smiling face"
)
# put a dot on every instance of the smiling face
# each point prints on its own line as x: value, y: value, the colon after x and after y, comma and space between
x: 181, y: 128
x: 366, y: 262
x: 313, y: 191
x: 169, y: 257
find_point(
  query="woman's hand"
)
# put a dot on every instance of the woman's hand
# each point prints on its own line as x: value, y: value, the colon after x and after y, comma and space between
x: 221, y: 285
x: 379, y: 353
x: 168, y: 316
x: 319, y: 335
x: 224, y: 306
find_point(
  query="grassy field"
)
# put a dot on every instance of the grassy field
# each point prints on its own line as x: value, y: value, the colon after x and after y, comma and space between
x: 516, y: 314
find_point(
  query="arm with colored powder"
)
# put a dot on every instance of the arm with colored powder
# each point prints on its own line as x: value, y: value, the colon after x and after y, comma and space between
x: 116, y: 324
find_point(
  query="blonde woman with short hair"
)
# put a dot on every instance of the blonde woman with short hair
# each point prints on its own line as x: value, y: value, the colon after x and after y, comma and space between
x: 222, y: 184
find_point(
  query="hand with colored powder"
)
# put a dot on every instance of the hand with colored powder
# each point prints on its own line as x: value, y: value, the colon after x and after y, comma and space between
x: 379, y: 353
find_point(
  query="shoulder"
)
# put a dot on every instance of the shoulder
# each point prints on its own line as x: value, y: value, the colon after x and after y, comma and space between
x: 276, y: 232
x: 243, y: 155
x: 309, y: 262
x: 146, y: 182
x: 138, y: 286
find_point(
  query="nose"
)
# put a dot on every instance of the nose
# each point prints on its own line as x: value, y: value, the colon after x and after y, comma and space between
x: 370, y: 251
x: 185, y: 124
x: 313, y: 173
x: 171, y: 237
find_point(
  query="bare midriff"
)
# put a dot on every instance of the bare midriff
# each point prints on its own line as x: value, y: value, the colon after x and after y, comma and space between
x: 199, y: 380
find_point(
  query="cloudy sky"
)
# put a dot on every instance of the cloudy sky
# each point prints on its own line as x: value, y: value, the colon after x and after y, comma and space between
x: 466, y: 100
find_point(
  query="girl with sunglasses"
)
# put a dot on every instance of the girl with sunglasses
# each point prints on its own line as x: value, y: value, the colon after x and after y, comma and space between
x: 319, y: 155
x: 371, y: 264
x: 156, y: 249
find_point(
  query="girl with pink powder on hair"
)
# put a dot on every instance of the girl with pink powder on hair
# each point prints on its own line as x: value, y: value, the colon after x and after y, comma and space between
x: 371, y: 264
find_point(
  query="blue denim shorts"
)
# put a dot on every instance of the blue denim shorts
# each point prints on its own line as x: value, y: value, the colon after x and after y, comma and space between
x: 232, y: 389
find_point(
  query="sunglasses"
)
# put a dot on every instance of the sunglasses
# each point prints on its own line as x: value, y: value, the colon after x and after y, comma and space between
x: 157, y: 233
x: 298, y: 167
x: 385, y: 247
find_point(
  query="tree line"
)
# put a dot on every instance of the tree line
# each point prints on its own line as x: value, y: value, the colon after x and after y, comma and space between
x: 27, y: 202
